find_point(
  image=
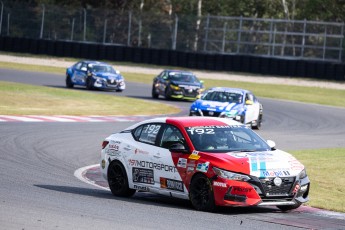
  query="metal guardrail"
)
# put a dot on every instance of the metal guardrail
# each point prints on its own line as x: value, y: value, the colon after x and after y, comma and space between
x: 292, y: 39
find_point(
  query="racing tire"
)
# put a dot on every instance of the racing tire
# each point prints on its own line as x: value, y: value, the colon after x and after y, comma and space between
x: 118, y: 180
x: 89, y: 85
x: 154, y: 94
x: 201, y: 194
x: 286, y: 208
x: 258, y: 123
x: 167, y: 93
x: 69, y: 83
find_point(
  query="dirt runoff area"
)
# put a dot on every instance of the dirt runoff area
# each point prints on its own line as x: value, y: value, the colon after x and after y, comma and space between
x: 61, y: 62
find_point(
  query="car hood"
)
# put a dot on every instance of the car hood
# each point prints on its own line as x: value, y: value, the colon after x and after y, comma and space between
x: 259, y: 164
x: 186, y: 84
x: 108, y: 76
x: 217, y: 106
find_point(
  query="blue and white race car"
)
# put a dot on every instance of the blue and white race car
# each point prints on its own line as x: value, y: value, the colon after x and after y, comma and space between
x: 237, y: 104
x: 94, y: 74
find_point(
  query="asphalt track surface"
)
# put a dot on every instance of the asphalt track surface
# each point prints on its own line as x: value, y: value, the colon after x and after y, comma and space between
x: 39, y: 190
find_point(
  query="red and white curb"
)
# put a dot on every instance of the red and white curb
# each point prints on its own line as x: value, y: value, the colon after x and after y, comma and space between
x: 65, y: 118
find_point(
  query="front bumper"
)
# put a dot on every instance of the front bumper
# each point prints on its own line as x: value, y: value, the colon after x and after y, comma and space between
x: 109, y: 84
x: 260, y: 192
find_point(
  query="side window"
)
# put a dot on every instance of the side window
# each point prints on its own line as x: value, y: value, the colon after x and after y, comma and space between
x: 136, y: 133
x: 78, y: 65
x: 171, y: 135
x: 149, y: 133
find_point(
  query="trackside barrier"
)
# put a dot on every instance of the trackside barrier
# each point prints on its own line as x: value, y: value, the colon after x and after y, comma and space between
x: 205, y: 61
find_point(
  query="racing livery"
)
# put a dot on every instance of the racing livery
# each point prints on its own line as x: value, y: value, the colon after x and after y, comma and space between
x: 177, y: 84
x: 237, y: 104
x: 94, y: 74
x: 210, y: 161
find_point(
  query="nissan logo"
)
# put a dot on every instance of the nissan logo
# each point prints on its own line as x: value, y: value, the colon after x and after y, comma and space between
x: 277, y: 181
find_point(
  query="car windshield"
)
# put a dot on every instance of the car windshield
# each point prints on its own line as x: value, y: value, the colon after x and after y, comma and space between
x: 220, y: 139
x: 183, y: 76
x: 102, y: 69
x: 221, y: 96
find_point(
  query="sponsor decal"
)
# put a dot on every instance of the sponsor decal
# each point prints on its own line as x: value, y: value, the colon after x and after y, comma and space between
x: 103, y: 164
x: 274, y: 173
x: 127, y: 148
x: 141, y: 188
x: 151, y: 165
x: 138, y: 151
x: 141, y: 175
x: 194, y: 155
x: 171, y: 184
x: 219, y: 184
x: 241, y: 190
x: 113, y: 152
x: 182, y: 163
x: 202, y: 167
x: 114, y: 147
x: 190, y: 169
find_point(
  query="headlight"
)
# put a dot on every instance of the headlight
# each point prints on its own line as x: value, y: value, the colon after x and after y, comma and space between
x: 174, y: 87
x: 303, y: 174
x: 230, y: 175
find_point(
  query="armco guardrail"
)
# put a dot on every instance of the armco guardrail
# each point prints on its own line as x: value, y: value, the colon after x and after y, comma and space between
x: 219, y: 62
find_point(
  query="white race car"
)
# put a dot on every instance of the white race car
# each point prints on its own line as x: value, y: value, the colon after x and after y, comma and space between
x: 210, y: 161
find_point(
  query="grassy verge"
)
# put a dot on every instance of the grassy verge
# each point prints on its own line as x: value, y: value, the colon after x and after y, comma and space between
x: 326, y: 172
x: 22, y: 99
x: 314, y: 95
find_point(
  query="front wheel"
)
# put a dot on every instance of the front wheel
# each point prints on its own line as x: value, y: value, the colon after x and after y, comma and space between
x: 89, y: 83
x: 118, y: 181
x: 258, y: 122
x: 201, y: 194
x: 154, y: 93
x: 69, y: 83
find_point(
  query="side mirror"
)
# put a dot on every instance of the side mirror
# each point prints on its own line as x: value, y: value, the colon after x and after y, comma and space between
x: 83, y: 69
x: 271, y: 144
x: 249, y: 102
x: 178, y: 147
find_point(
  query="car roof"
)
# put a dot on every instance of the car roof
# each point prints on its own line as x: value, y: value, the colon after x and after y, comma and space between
x: 228, y: 89
x: 95, y: 62
x: 179, y: 71
x: 189, y: 121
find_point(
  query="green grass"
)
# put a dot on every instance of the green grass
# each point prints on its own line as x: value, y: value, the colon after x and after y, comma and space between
x: 22, y: 99
x: 325, y: 168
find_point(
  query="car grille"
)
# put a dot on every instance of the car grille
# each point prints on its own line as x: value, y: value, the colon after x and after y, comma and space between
x: 270, y: 189
x: 109, y: 83
x: 192, y: 93
x: 210, y: 113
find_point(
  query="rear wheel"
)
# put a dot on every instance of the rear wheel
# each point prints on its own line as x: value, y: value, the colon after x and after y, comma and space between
x: 69, y: 83
x: 118, y: 181
x: 201, y: 194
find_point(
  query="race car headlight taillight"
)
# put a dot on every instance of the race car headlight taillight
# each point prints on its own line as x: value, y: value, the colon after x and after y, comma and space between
x: 174, y: 87
x: 230, y: 175
x: 104, y: 144
x: 303, y: 174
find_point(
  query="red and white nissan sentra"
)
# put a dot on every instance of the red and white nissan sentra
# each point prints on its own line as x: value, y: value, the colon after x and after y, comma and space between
x: 210, y: 161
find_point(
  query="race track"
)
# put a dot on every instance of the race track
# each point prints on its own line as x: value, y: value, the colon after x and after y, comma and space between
x: 39, y: 191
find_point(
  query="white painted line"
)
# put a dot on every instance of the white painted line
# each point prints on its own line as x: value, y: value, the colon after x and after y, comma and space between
x: 79, y: 173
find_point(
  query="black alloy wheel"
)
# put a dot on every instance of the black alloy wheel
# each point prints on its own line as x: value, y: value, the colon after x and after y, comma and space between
x: 201, y: 194
x: 167, y: 94
x: 118, y: 181
x: 89, y: 84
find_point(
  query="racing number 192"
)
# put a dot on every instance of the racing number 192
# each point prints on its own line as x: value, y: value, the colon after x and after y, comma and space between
x: 151, y: 129
x: 201, y: 131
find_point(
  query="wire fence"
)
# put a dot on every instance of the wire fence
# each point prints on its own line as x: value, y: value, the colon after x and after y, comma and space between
x: 293, y: 39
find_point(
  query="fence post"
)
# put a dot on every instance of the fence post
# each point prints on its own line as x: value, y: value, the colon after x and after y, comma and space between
x: 270, y: 37
x: 105, y: 30
x: 324, y: 43
x: 84, y: 36
x: 175, y: 33
x: 72, y: 31
x: 303, y: 38
x: 8, y: 24
x: 239, y: 36
x: 206, y: 31
x: 42, y: 22
x: 224, y: 35
x: 341, y: 42
x: 129, y: 28
x: 2, y: 11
